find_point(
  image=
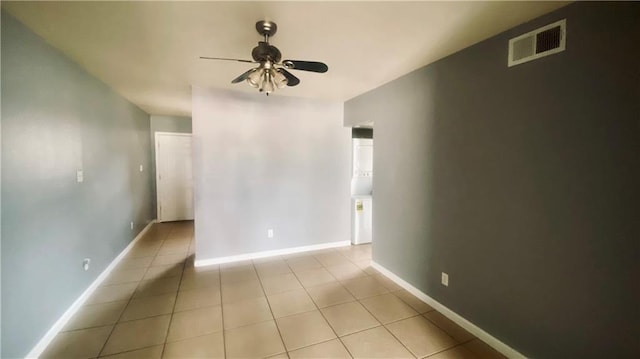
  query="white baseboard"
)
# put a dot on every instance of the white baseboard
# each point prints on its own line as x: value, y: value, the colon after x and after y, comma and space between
x: 455, y: 317
x: 57, y: 327
x: 277, y: 252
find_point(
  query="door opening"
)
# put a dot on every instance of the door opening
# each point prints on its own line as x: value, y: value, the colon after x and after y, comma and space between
x: 362, y: 186
x: 174, y: 176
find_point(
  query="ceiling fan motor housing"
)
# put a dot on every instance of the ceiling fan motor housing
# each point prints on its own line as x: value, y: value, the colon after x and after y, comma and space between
x: 265, y: 52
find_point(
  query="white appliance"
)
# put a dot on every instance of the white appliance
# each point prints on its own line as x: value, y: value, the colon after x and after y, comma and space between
x: 361, y: 219
x: 361, y: 191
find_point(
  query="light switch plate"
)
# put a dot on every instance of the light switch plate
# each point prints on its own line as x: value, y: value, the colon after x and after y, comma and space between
x: 445, y: 279
x: 79, y: 176
x: 141, y: 168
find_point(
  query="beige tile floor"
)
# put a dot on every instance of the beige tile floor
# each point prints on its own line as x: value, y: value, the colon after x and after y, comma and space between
x: 323, y: 304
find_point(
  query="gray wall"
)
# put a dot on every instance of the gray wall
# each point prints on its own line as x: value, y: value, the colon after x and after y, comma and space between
x: 170, y: 124
x: 521, y: 183
x: 268, y: 162
x: 56, y: 119
x: 164, y: 124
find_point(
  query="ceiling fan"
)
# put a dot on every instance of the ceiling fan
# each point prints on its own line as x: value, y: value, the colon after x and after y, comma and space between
x: 271, y: 74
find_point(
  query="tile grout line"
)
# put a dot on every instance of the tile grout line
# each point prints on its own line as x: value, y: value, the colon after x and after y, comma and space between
x: 420, y: 314
x: 266, y: 298
x: 338, y: 281
x: 126, y: 351
x: 290, y: 315
x: 132, y: 296
x: 381, y: 323
x: 125, y: 307
x: 446, y: 349
x: 414, y: 316
x: 224, y: 335
x: 357, y: 300
x: 320, y: 311
x: 324, y: 264
x: 175, y: 302
x: 262, y: 287
x: 446, y: 332
x: 315, y: 305
x: 387, y: 329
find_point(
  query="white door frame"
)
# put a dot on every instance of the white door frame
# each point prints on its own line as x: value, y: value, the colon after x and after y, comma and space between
x: 155, y: 138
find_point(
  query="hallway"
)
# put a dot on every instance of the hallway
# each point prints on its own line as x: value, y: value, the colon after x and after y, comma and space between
x: 327, y: 303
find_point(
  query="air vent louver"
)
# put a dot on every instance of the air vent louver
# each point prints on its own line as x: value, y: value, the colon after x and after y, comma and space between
x: 523, y: 48
x: 538, y: 43
x: 548, y: 40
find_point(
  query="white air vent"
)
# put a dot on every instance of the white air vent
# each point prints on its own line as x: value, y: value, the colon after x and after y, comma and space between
x: 538, y: 43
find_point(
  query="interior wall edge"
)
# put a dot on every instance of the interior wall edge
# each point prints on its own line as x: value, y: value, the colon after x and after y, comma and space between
x: 489, y: 339
x: 267, y: 254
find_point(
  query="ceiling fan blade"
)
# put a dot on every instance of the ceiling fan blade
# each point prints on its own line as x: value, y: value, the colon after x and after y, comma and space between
x: 226, y: 59
x: 243, y: 76
x: 291, y: 80
x: 312, y: 66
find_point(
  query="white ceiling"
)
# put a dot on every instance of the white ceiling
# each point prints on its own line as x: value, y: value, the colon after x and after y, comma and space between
x: 148, y: 51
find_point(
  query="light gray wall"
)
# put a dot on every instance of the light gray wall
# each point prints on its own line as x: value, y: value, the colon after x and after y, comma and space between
x: 268, y: 162
x: 521, y: 183
x: 170, y: 124
x: 56, y: 119
x: 164, y: 124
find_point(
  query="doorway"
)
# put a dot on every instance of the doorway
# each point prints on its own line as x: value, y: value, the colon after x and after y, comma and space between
x: 174, y: 176
x: 362, y: 186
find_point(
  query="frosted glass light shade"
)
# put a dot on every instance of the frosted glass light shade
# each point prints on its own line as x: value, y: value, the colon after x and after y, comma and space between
x: 255, y: 78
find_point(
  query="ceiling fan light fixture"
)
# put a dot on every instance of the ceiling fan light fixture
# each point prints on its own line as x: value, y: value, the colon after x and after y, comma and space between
x: 279, y: 79
x: 255, y: 78
x: 267, y: 78
x: 267, y: 83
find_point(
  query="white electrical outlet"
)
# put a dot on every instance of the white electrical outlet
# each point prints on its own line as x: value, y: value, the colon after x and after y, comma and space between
x: 131, y: 225
x: 445, y: 279
x: 141, y: 168
x: 79, y: 176
x: 85, y: 263
x: 270, y: 233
